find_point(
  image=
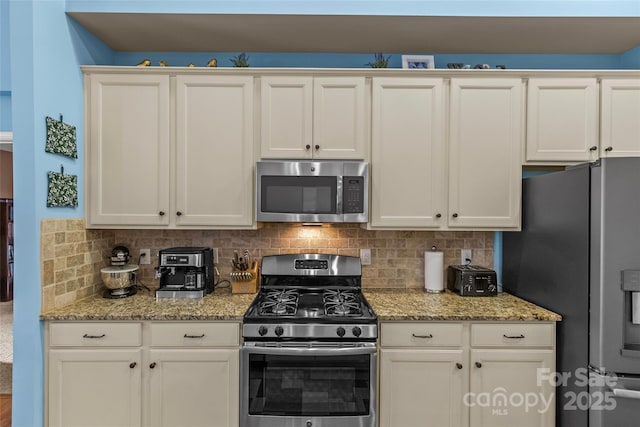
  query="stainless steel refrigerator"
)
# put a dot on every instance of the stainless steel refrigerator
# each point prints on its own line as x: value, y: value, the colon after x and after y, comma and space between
x: 578, y: 254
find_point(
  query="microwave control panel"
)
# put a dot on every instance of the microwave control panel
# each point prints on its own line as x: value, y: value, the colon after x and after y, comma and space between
x: 352, y: 194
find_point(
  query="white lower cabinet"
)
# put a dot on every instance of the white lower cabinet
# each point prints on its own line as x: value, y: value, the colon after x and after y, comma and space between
x: 438, y: 374
x: 97, y: 387
x: 504, y: 388
x: 423, y: 375
x: 155, y: 374
x: 422, y: 387
x: 193, y: 374
x: 193, y: 388
x: 509, y: 362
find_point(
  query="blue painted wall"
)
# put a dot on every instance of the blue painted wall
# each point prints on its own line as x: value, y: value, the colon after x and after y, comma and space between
x: 360, y: 60
x: 631, y: 58
x: 46, y: 49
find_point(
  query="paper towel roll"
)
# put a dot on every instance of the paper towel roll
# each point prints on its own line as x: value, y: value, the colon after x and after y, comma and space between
x: 433, y: 272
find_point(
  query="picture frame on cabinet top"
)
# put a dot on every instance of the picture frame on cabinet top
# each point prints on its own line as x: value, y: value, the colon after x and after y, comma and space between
x: 418, y: 62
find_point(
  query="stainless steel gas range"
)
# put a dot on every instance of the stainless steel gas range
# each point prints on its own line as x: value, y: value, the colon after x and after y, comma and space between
x: 309, y: 354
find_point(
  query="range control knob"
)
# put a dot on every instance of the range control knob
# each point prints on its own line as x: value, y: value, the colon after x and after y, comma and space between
x: 491, y: 288
x: 467, y: 288
x: 356, y: 331
x: 340, y: 331
x: 279, y: 331
x: 262, y: 330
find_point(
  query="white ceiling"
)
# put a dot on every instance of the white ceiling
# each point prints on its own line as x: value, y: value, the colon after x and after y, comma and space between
x: 154, y: 32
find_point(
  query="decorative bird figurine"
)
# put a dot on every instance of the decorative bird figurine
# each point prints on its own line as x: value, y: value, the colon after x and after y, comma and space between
x: 164, y: 64
x: 213, y: 62
x: 144, y: 63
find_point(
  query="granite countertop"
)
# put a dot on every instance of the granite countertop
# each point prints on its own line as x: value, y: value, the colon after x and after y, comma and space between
x: 415, y: 304
x: 397, y: 304
x: 219, y: 305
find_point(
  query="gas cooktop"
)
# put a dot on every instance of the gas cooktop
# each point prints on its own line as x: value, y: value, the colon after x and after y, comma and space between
x: 310, y: 296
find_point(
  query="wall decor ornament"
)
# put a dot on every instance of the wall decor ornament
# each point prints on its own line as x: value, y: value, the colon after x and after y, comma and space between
x: 241, y: 60
x: 379, y: 61
x: 63, y: 189
x: 416, y: 62
x: 61, y: 138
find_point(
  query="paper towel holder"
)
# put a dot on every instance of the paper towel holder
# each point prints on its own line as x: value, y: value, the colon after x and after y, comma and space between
x: 433, y: 271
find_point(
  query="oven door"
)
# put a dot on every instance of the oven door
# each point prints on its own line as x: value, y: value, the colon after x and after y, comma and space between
x: 308, y: 385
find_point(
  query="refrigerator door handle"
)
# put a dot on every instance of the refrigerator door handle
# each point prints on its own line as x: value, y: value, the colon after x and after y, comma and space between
x: 629, y: 394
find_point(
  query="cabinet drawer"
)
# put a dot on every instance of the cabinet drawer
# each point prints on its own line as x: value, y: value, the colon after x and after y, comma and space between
x: 95, y: 334
x: 195, y: 334
x: 423, y: 334
x: 512, y: 335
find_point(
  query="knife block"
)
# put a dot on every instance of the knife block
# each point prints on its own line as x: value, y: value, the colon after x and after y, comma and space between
x: 246, y: 286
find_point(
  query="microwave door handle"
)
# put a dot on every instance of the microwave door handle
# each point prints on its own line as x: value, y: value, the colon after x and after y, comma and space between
x: 339, y: 195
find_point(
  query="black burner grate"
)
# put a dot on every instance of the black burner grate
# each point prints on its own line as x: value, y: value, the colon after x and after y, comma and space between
x: 342, y: 303
x: 279, y: 302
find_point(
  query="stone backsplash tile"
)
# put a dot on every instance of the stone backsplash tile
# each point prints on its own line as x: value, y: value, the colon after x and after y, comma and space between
x: 71, y: 258
x: 397, y: 256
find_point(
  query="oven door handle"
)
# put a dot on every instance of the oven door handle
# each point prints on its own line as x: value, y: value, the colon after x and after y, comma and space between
x: 310, y: 350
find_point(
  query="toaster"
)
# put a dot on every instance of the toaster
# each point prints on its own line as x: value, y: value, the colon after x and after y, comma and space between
x: 472, y: 280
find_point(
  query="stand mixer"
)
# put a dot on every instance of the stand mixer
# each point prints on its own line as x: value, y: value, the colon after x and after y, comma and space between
x: 120, y: 277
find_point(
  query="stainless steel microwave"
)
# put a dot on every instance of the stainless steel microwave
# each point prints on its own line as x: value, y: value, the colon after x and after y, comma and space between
x: 312, y: 191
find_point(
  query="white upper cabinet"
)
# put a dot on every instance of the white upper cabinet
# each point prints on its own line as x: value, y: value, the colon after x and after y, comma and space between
x: 161, y: 158
x: 408, y: 153
x: 620, y: 117
x: 214, y: 151
x: 307, y: 117
x: 485, y: 140
x: 127, y: 152
x: 562, y: 120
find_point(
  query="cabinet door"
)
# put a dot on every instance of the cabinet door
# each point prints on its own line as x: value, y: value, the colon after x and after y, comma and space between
x: 504, y: 388
x: 423, y: 388
x: 620, y: 118
x: 193, y: 388
x: 287, y: 114
x: 486, y: 134
x: 339, y: 124
x: 562, y: 119
x: 94, y: 388
x: 407, y: 153
x: 214, y: 151
x: 128, y: 150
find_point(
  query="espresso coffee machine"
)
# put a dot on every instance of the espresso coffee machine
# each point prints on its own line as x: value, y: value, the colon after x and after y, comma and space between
x: 185, y: 272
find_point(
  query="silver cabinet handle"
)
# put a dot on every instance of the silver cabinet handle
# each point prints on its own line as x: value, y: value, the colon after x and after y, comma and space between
x: 513, y: 337
x: 422, y: 336
x: 93, y: 336
x: 193, y: 336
